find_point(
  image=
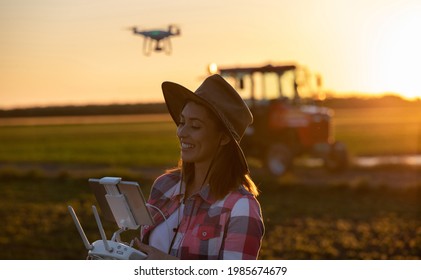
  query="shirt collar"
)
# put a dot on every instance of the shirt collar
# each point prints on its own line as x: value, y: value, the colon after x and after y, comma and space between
x: 204, y: 193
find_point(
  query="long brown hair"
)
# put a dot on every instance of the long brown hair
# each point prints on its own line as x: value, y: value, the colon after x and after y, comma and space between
x: 226, y: 172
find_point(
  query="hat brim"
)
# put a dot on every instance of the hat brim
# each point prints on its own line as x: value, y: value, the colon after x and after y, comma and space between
x: 176, y: 96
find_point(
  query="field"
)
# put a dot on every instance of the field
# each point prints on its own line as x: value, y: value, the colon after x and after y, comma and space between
x: 380, y: 131
x: 363, y: 213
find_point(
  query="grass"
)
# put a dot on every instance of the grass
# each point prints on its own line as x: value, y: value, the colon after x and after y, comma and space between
x: 380, y: 131
x: 142, y: 144
x: 364, y: 131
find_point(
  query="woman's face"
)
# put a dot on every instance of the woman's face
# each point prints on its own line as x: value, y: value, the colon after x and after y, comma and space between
x: 198, y: 134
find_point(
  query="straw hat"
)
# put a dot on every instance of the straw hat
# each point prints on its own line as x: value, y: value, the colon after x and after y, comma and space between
x: 220, y: 97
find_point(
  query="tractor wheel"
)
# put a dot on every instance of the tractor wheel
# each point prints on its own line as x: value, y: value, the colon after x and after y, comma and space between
x: 278, y: 159
x: 337, y: 158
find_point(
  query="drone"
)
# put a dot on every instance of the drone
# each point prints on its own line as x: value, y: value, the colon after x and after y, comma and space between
x: 157, y: 39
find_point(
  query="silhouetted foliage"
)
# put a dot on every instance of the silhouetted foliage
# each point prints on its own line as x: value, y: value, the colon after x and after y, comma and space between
x: 87, y: 110
x: 370, y: 102
x: 159, y: 108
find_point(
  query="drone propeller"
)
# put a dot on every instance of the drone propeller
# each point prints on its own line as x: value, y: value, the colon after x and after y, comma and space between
x: 174, y: 29
x: 130, y: 28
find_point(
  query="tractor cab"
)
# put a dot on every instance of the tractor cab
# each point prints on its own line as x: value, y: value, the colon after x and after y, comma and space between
x: 288, y: 120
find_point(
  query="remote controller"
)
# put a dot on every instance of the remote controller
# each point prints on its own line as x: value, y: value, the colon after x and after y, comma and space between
x: 117, y: 251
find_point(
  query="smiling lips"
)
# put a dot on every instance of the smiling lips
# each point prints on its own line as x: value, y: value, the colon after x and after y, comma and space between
x: 186, y: 145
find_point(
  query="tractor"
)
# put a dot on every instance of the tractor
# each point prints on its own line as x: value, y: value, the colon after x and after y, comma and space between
x: 289, y: 120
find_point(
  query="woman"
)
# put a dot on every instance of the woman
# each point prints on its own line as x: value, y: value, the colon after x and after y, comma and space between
x: 206, y: 208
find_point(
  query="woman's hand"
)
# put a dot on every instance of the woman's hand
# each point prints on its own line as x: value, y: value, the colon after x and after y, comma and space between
x: 152, y: 252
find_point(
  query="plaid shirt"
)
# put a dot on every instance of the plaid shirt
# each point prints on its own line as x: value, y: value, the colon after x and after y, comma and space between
x: 231, y: 228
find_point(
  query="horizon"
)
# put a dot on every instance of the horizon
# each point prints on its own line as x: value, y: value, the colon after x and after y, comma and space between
x: 364, y: 97
x: 161, y: 100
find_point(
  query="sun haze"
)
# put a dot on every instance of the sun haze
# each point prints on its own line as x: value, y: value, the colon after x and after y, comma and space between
x: 77, y: 52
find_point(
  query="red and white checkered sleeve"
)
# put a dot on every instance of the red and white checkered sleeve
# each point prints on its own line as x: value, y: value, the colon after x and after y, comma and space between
x: 245, y: 230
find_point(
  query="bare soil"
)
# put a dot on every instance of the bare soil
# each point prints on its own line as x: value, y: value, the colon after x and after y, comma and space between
x: 400, y: 176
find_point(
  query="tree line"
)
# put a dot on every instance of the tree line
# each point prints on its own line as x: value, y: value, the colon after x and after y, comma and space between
x: 86, y: 110
x: 159, y: 108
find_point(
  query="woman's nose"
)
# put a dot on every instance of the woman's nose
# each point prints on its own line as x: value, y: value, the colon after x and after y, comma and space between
x: 181, y: 131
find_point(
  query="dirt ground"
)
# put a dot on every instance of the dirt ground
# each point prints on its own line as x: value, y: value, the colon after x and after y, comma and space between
x: 399, y: 176
x: 392, y: 176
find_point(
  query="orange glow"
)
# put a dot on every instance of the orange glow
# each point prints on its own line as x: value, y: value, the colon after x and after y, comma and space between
x: 398, y: 54
x: 75, y: 52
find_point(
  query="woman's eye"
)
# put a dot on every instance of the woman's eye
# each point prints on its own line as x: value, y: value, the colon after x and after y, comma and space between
x: 195, y: 125
x: 191, y: 125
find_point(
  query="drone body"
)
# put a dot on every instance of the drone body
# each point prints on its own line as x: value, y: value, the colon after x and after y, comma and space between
x: 157, y: 39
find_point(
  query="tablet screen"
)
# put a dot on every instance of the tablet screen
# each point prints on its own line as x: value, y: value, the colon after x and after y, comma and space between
x: 133, y: 196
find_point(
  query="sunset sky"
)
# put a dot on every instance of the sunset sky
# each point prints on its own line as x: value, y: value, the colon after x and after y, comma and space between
x: 59, y: 52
